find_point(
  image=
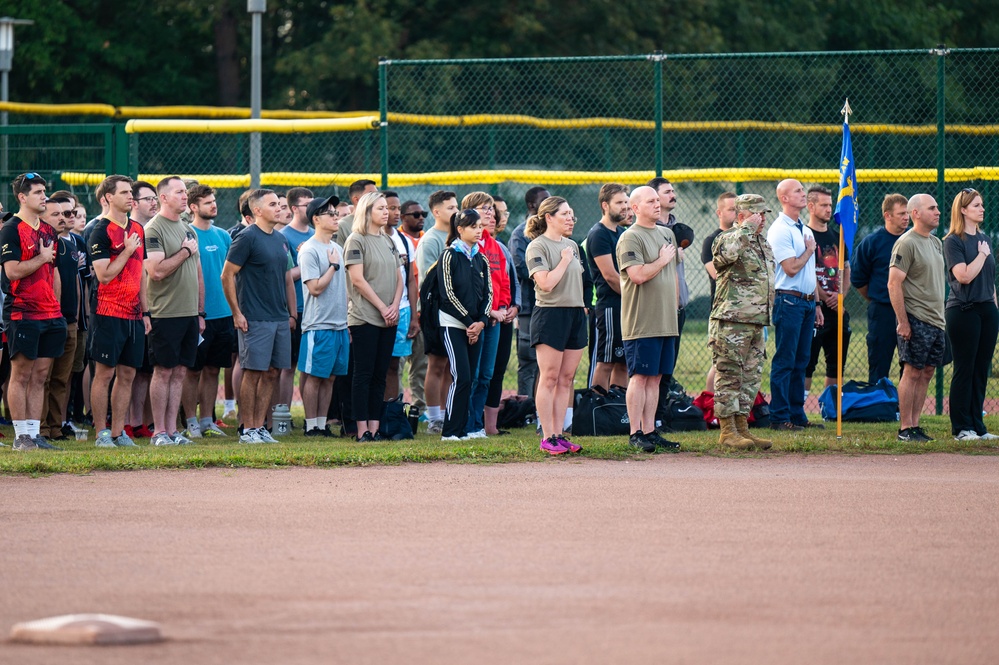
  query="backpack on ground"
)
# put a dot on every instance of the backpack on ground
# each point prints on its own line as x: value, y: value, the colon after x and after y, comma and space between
x: 599, y: 412
x: 394, y: 424
x: 516, y: 412
x: 863, y: 402
x: 678, y: 411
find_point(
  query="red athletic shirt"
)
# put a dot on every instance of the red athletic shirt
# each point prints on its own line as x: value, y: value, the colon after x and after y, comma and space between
x: 33, y: 297
x: 497, y: 270
x: 120, y: 296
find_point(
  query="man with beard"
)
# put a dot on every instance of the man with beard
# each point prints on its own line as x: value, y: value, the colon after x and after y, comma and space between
x: 601, y: 247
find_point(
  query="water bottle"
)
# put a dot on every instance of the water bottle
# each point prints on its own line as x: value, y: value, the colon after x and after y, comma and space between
x: 414, y: 418
x: 281, y: 419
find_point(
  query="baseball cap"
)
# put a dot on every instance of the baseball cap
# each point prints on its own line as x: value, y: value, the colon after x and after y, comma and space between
x: 684, y: 235
x: 751, y: 203
x: 317, y: 204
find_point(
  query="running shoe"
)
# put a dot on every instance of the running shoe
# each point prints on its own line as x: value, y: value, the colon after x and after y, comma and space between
x: 642, y: 442
x: 180, y: 439
x: 567, y: 444
x: 213, y: 432
x: 162, y: 439
x: 265, y: 436
x: 250, y: 436
x: 24, y: 443
x: 967, y: 435
x: 104, y: 439
x: 478, y: 434
x: 552, y: 446
x: 124, y: 441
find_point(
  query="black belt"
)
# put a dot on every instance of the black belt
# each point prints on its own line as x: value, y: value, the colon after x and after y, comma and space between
x: 797, y: 294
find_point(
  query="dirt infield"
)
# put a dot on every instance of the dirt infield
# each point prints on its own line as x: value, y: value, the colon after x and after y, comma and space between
x: 678, y: 559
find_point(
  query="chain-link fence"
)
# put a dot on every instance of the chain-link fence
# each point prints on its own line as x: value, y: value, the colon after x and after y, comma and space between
x: 923, y: 121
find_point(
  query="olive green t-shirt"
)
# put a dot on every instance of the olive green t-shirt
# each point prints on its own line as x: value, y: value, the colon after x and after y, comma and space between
x: 176, y: 295
x: 545, y: 254
x: 381, y: 270
x: 921, y: 259
x: 649, y: 309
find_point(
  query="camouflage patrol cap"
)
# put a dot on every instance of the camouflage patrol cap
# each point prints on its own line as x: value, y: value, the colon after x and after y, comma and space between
x: 751, y: 203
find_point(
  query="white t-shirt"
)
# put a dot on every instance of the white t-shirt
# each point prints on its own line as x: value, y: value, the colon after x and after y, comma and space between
x: 404, y: 246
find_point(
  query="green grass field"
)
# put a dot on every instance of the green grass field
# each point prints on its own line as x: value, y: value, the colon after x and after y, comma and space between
x: 520, y: 446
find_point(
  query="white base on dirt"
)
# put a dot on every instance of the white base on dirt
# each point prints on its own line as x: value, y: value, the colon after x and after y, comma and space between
x: 86, y: 629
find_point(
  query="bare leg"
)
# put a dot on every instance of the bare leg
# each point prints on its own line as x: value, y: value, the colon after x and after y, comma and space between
x: 39, y: 371
x: 635, y: 398
x: 99, y: 394
x: 121, y: 394
x: 651, y: 403
x: 392, y: 380
x: 602, y: 375
x: 549, y: 365
x: 566, y: 378
x: 619, y: 375
x: 266, y: 384
x: 208, y: 391
x: 138, y: 400
x: 248, y: 398
x: 310, y: 396
x: 189, y: 394
x: 20, y: 383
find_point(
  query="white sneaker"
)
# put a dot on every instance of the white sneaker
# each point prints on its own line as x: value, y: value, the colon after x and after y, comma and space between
x: 989, y: 436
x: 249, y: 436
x: 478, y: 434
x: 967, y: 435
x: 454, y: 438
x: 180, y: 439
x: 265, y: 436
x: 193, y: 431
x: 435, y: 427
x: 162, y: 439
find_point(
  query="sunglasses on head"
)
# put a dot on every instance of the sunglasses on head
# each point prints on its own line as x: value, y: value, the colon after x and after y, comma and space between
x: 31, y: 176
x: 969, y: 190
x: 419, y: 213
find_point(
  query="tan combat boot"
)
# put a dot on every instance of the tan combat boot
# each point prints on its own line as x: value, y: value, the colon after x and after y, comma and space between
x: 730, y: 436
x: 742, y: 426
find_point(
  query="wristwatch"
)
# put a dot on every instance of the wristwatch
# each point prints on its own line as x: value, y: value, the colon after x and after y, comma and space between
x: 203, y: 315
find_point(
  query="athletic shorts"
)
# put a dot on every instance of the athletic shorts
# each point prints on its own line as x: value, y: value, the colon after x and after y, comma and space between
x: 925, y: 347
x: 33, y: 338
x: 650, y: 356
x: 115, y: 341
x: 215, y: 349
x: 324, y: 353
x: 559, y: 327
x: 264, y: 345
x: 403, y: 345
x: 608, y: 347
x: 174, y: 342
x: 296, y: 338
x: 434, y: 344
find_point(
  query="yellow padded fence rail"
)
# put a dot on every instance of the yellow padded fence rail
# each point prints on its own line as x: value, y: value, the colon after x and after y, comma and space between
x: 224, y: 113
x: 360, y: 123
x: 486, y: 177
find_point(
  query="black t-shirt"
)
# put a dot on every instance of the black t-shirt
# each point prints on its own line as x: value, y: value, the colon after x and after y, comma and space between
x: 68, y: 265
x: 260, y: 285
x: 827, y: 259
x: 983, y: 286
x: 706, y: 256
x: 601, y: 241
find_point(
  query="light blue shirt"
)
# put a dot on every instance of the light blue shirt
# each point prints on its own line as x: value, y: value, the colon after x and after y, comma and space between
x: 788, y: 242
x: 213, y: 246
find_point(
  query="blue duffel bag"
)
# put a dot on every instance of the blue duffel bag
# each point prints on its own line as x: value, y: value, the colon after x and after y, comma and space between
x: 863, y: 402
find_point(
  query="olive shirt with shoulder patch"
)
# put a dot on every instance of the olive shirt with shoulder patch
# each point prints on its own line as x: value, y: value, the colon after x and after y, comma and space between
x: 376, y: 252
x: 177, y: 295
x: 921, y: 259
x: 649, y: 309
x: 545, y: 254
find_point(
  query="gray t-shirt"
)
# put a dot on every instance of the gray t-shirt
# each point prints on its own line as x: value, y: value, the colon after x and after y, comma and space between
x: 376, y: 253
x: 545, y: 254
x: 921, y: 259
x: 177, y: 295
x: 328, y: 310
x: 983, y: 287
x: 260, y: 285
x: 431, y: 247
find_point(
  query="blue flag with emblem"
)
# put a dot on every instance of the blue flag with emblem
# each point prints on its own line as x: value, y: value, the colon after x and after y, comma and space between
x: 846, y: 203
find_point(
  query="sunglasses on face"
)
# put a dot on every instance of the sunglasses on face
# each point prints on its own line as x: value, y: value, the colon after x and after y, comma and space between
x: 420, y: 214
x: 68, y: 214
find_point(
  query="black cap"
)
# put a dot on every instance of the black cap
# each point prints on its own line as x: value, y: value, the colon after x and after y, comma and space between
x: 684, y: 235
x: 317, y: 204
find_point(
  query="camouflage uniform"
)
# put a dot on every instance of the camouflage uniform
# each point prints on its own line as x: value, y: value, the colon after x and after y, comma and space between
x: 744, y: 300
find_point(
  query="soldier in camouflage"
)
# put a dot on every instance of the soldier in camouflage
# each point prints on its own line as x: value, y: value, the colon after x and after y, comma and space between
x: 744, y: 299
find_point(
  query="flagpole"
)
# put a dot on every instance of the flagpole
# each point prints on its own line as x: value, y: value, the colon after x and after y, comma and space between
x: 839, y: 312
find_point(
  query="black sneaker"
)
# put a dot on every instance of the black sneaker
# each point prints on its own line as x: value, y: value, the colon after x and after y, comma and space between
x: 315, y: 431
x: 366, y: 438
x: 663, y: 444
x: 642, y: 442
x: 789, y: 427
x: 327, y: 432
x: 909, y: 434
x: 922, y: 434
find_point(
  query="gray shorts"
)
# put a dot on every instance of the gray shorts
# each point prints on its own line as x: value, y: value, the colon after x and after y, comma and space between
x: 264, y: 345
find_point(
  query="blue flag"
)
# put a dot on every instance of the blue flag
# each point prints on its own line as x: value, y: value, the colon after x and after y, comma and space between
x: 846, y: 203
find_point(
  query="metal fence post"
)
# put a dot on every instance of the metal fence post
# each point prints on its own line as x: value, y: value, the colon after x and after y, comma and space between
x: 383, y: 64
x: 941, y: 52
x: 657, y: 62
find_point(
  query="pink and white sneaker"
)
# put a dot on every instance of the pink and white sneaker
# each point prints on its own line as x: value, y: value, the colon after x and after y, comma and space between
x: 552, y: 446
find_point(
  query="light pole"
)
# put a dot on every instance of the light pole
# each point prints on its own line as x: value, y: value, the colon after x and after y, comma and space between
x: 6, y: 61
x: 256, y: 9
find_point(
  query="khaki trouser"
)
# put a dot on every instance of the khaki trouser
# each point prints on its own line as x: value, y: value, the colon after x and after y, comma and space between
x: 57, y: 386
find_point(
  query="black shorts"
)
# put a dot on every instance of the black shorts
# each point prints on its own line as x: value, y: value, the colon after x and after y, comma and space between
x: 115, y: 341
x: 174, y: 342
x: 434, y: 344
x: 559, y: 327
x: 33, y: 338
x: 216, y: 348
x: 296, y: 340
x: 925, y: 346
x: 608, y: 347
